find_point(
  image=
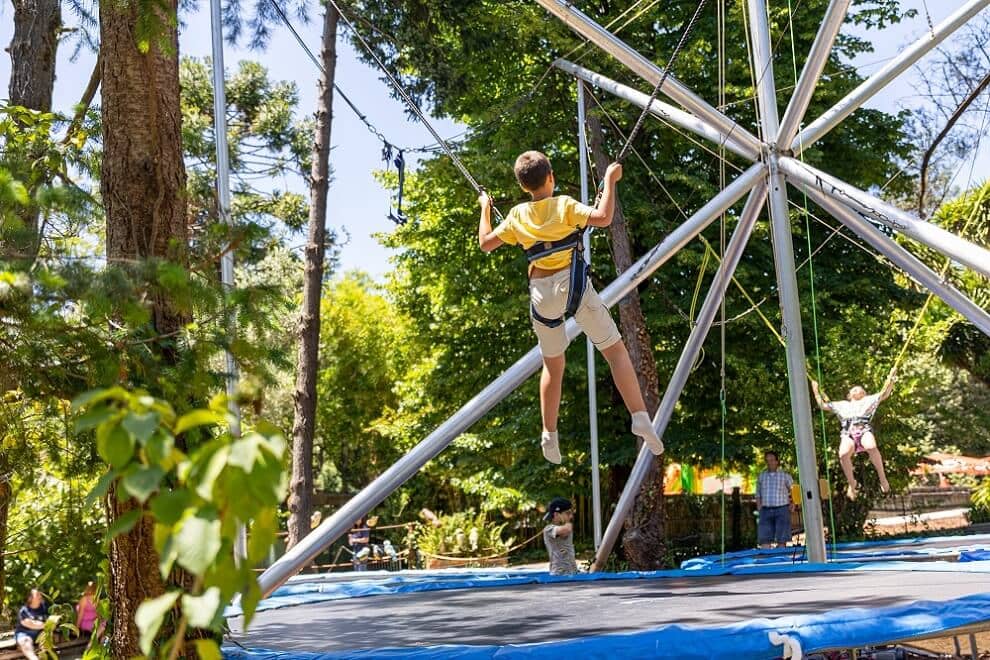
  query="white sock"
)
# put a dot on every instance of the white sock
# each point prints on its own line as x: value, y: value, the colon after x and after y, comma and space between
x: 551, y: 447
x: 642, y: 426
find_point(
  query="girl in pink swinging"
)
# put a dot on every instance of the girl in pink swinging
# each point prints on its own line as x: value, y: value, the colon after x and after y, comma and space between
x: 855, y: 414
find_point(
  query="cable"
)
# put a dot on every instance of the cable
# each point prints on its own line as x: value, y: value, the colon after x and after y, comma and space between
x: 663, y: 78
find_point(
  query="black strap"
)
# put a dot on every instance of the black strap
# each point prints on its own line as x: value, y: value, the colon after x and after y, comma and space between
x: 578, y: 284
x: 546, y: 248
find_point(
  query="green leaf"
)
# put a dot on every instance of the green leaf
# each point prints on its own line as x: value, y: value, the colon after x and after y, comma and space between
x: 207, y: 649
x: 101, y: 488
x: 114, y: 444
x: 208, y: 473
x: 93, y: 418
x: 169, y: 506
x: 196, y: 418
x: 150, y: 615
x: 125, y: 523
x: 198, y: 542
x: 141, y: 426
x: 202, y: 611
x: 140, y: 481
x: 95, y: 396
x: 159, y: 449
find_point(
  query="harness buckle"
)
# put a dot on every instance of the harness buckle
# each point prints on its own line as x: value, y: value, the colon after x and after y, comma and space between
x: 547, y: 245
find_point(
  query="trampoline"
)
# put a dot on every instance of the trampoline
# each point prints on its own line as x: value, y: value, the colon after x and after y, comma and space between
x: 736, y: 609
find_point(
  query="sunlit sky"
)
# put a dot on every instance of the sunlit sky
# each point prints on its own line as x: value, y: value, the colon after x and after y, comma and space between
x: 358, y: 205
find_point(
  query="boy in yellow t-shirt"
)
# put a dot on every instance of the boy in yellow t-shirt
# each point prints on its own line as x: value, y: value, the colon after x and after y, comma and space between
x: 549, y: 228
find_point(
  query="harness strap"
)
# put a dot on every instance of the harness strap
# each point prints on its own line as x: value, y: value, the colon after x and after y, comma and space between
x: 579, y: 270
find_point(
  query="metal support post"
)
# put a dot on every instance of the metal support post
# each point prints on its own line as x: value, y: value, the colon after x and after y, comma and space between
x: 223, y: 209
x: 596, y: 486
x: 371, y: 495
x: 926, y: 233
x: 689, y: 354
x: 659, y: 109
x: 790, y: 305
x: 865, y: 91
x: 812, y: 71
x: 903, y: 259
x: 647, y: 70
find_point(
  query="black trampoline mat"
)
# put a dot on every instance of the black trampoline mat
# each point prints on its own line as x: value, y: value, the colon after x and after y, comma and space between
x: 519, y: 614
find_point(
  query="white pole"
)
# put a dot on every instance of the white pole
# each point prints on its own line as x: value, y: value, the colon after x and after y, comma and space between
x: 790, y: 305
x: 596, y: 486
x: 223, y: 209
x: 927, y: 233
x: 689, y: 354
x: 903, y: 259
x: 371, y: 495
x: 659, y: 109
x: 647, y: 70
x: 812, y: 72
x: 856, y: 98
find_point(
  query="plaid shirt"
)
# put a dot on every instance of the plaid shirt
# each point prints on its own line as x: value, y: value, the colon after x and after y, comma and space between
x: 774, y: 488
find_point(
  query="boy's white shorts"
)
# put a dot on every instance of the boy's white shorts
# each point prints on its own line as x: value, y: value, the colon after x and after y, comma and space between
x: 549, y: 297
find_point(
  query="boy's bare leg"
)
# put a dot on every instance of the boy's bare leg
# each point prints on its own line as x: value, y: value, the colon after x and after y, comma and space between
x: 624, y: 376
x: 870, y: 445
x: 551, y: 383
x: 846, y: 449
x: 626, y: 382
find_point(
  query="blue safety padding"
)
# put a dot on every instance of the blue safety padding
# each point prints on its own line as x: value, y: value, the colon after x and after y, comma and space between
x: 857, y: 550
x: 974, y: 555
x: 847, y: 627
x: 317, y: 591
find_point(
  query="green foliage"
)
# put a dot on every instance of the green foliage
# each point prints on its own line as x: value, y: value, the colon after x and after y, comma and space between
x: 980, y: 502
x: 198, y: 499
x: 463, y: 534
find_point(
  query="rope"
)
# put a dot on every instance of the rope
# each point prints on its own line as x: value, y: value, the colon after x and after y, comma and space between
x: 720, y: 27
x: 663, y: 78
x: 413, y: 106
x: 505, y: 553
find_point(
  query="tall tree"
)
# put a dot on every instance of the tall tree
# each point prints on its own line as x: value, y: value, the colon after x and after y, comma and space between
x: 304, y: 424
x: 644, y: 540
x: 33, y: 50
x: 143, y: 188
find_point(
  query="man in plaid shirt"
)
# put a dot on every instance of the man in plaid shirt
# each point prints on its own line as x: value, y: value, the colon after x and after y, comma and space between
x: 773, y: 500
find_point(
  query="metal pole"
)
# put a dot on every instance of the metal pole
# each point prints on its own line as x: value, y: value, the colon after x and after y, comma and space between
x: 337, y: 524
x: 854, y: 99
x: 927, y: 233
x: 596, y: 487
x: 812, y: 72
x: 710, y: 307
x: 903, y: 259
x: 659, y: 109
x: 223, y: 209
x: 790, y: 305
x: 647, y: 70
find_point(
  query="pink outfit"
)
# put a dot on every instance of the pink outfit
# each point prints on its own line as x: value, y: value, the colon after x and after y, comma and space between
x: 86, y: 611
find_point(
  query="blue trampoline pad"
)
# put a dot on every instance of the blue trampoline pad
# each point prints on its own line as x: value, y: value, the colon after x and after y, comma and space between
x: 909, y: 549
x: 671, y: 614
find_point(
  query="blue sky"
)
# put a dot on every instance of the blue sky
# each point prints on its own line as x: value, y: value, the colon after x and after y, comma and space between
x: 357, y: 202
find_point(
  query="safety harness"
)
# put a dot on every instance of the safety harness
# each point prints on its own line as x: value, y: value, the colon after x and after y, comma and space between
x: 578, y: 272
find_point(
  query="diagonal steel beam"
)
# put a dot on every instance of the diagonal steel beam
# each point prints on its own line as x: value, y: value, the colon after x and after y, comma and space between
x: 865, y: 91
x: 645, y: 459
x: 402, y: 470
x: 812, y: 72
x: 929, y: 234
x: 647, y: 70
x: 903, y: 259
x: 790, y: 304
x: 659, y: 109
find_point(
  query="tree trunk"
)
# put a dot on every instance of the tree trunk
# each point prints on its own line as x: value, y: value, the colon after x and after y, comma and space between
x: 644, y: 539
x: 32, y: 51
x: 304, y: 423
x: 143, y: 187
x: 6, y: 498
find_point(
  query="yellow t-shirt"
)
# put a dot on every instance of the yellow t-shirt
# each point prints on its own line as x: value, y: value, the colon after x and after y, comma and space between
x: 549, y: 219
